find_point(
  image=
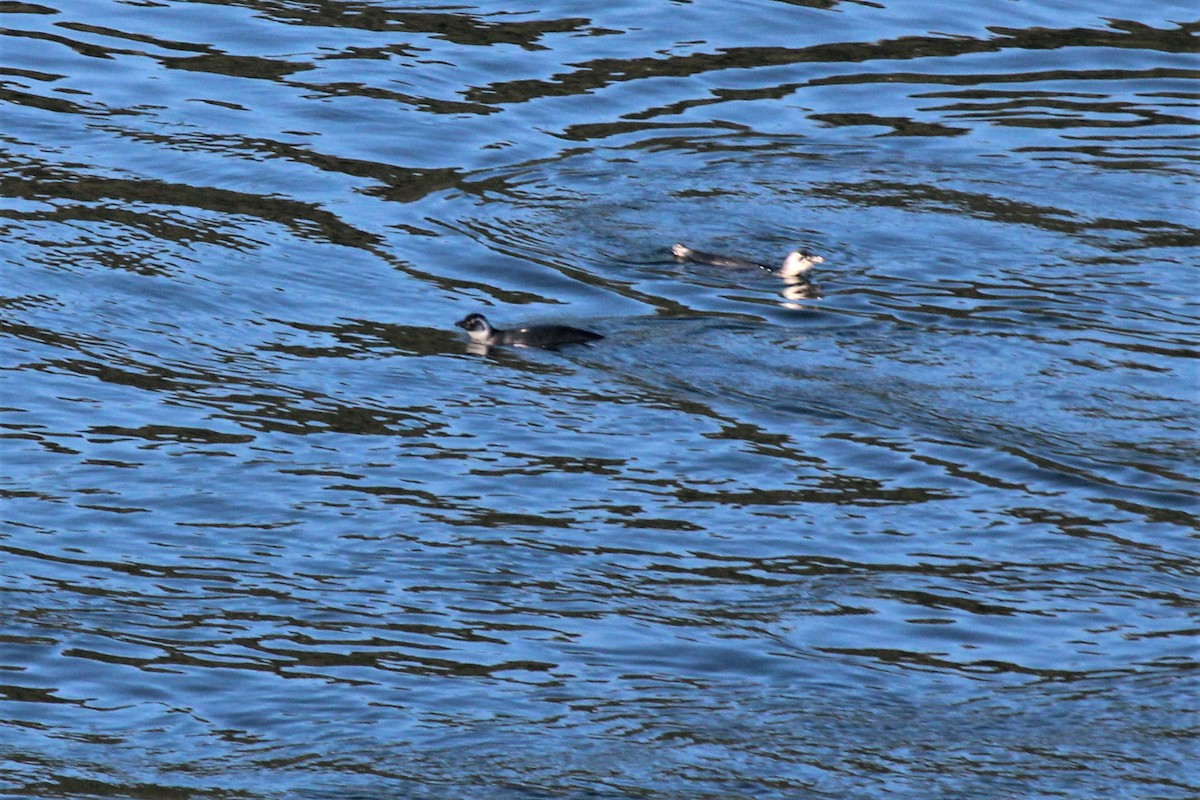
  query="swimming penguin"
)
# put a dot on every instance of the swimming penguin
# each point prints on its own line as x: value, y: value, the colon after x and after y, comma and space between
x: 797, y: 262
x: 482, y: 332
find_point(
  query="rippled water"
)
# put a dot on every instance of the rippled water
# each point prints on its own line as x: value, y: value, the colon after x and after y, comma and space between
x: 271, y: 528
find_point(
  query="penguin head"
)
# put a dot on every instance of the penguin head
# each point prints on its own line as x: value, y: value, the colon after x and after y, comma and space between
x: 799, y: 262
x: 477, y: 326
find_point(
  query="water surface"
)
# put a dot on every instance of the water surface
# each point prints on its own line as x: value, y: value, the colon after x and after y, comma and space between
x: 270, y: 528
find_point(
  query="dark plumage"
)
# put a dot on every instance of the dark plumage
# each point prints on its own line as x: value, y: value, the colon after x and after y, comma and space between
x: 482, y: 332
x: 797, y: 262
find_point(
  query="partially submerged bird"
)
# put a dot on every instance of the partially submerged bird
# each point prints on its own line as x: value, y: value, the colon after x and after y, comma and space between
x: 797, y: 262
x: 482, y: 332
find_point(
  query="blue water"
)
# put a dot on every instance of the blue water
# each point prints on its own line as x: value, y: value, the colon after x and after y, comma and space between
x: 271, y: 527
